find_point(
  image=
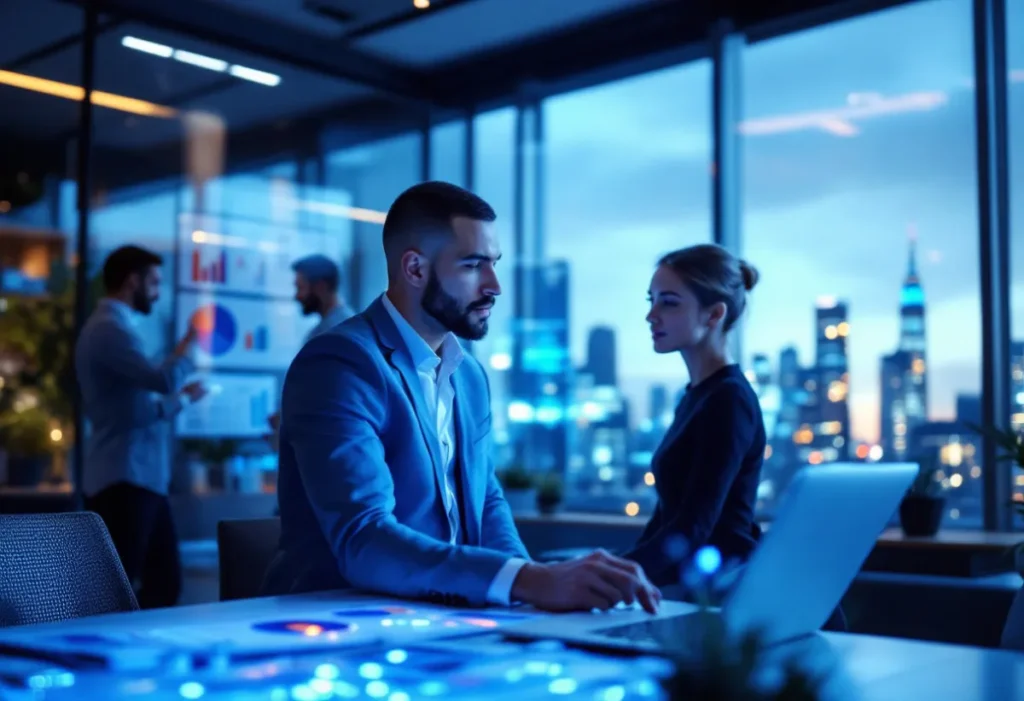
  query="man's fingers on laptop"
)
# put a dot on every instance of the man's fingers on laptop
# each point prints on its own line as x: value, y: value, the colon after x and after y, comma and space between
x: 603, y: 595
x: 624, y: 583
x: 629, y: 566
x: 650, y: 598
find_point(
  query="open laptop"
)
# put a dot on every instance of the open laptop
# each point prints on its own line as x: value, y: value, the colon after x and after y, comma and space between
x: 828, y: 520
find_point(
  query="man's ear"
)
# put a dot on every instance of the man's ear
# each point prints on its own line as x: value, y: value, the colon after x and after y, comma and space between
x: 415, y: 268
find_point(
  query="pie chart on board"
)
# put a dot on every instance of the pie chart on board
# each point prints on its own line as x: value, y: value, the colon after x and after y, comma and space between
x: 216, y: 329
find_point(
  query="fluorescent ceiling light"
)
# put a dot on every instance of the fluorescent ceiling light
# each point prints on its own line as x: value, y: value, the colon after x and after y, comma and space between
x: 73, y: 92
x: 148, y: 47
x: 210, y: 64
x: 200, y: 61
x: 254, y: 75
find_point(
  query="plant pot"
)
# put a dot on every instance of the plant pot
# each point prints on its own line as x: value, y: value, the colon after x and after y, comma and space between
x: 27, y: 470
x: 921, y: 516
x: 521, y: 500
x: 548, y: 506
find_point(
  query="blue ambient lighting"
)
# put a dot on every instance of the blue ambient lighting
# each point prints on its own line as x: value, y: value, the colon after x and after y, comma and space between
x: 396, y: 656
x: 327, y: 671
x: 708, y: 559
x: 371, y: 670
x: 563, y: 686
x: 191, y: 690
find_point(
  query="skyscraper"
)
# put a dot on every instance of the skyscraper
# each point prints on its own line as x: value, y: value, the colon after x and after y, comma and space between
x: 601, y: 359
x: 541, y: 378
x: 829, y: 416
x: 904, y: 373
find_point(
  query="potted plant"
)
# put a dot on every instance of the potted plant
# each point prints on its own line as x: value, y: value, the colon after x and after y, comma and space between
x: 37, y: 373
x: 924, y: 504
x: 549, y: 493
x: 28, y: 439
x: 518, y: 485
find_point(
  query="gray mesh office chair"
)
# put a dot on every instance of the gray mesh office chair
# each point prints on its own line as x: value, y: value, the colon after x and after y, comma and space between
x: 245, y: 548
x: 55, y: 567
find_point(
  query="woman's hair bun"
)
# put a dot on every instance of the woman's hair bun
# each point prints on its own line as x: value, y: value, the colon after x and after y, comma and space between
x: 750, y: 275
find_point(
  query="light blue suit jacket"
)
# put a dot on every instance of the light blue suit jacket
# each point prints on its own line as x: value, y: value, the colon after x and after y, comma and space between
x: 129, y: 424
x: 360, y: 474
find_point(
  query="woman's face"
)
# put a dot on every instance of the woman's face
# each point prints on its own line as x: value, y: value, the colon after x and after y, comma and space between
x: 676, y: 318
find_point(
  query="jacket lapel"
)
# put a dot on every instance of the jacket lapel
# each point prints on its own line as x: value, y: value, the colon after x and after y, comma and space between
x: 399, y: 358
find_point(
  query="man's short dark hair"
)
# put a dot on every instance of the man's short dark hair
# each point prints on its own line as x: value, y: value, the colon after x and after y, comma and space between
x: 430, y: 207
x: 125, y: 262
x: 319, y: 268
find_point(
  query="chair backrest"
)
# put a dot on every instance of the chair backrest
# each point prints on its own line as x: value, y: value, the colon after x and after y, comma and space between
x: 54, y: 567
x: 245, y: 548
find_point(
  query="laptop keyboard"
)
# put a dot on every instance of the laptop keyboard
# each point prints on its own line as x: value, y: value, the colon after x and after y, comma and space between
x: 664, y: 633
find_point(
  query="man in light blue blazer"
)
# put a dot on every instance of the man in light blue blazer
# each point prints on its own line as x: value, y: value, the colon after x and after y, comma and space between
x: 385, y: 479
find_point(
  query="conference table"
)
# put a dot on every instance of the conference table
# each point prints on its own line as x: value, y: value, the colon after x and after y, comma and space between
x: 334, y: 645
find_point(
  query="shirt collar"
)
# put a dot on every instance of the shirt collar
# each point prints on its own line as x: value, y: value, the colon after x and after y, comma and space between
x: 423, y: 357
x: 337, y: 315
x: 121, y: 310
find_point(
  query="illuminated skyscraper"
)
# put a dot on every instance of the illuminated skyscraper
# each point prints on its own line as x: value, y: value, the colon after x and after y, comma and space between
x: 904, y: 373
x: 827, y: 415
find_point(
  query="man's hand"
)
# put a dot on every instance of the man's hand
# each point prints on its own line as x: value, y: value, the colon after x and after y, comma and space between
x: 186, y: 342
x: 596, y: 581
x: 194, y: 391
x: 274, y: 421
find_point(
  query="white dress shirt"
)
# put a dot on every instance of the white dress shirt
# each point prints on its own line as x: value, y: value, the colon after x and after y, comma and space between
x: 435, y: 374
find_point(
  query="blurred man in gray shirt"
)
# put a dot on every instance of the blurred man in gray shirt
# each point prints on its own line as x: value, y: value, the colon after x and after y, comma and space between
x: 317, y: 280
x: 129, y: 401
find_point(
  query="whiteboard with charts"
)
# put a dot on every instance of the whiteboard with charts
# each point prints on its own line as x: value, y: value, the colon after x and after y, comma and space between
x: 237, y: 405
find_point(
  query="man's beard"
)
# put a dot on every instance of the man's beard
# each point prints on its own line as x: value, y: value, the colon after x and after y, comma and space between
x: 142, y: 302
x: 310, y: 305
x: 446, y: 311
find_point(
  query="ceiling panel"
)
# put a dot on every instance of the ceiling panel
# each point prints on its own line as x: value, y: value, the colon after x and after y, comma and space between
x: 239, y: 105
x: 34, y: 116
x: 483, y: 25
x: 294, y: 13
x: 27, y: 25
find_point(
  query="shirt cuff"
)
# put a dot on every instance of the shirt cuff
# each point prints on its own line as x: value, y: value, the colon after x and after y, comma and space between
x: 500, y: 591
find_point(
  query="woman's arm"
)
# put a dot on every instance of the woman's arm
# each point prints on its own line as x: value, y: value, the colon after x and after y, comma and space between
x: 725, y: 428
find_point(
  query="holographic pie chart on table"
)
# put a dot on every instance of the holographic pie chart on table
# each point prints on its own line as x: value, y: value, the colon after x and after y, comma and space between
x: 216, y: 329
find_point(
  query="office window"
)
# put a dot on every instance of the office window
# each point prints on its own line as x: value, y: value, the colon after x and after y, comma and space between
x: 203, y: 169
x: 1015, y: 102
x: 448, y: 152
x: 494, y: 145
x: 860, y: 210
x: 372, y: 175
x: 38, y: 241
x: 624, y: 178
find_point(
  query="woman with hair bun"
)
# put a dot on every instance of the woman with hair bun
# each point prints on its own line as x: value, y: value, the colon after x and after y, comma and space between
x: 708, y: 465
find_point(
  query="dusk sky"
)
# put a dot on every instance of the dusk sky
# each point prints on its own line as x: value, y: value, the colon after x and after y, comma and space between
x: 854, y: 134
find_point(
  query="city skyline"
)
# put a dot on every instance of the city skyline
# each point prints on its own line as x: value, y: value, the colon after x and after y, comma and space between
x: 826, y: 208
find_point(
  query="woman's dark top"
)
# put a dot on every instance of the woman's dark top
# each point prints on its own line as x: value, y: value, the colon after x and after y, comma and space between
x: 706, y: 472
